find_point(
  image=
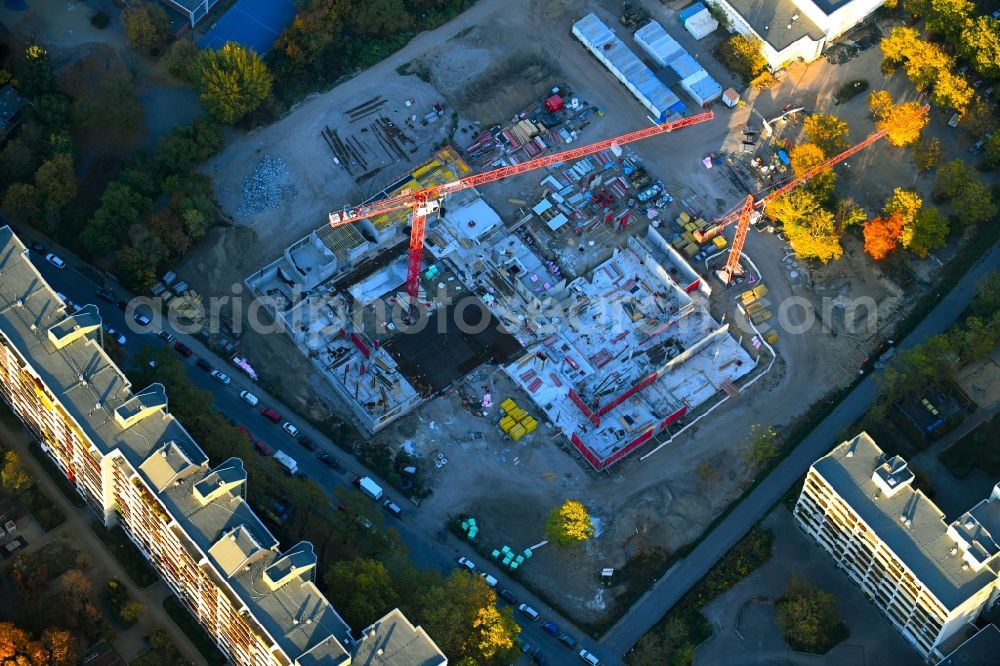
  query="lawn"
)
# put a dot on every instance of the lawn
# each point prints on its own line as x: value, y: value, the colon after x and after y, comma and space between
x: 977, y: 450
x: 134, y: 564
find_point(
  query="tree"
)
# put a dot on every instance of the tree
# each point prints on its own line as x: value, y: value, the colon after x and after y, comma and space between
x: 74, y: 588
x: 975, y: 338
x: 946, y: 17
x: 184, y: 147
x: 882, y: 235
x: 21, y: 203
x: 180, y: 57
x: 899, y: 44
x: 879, y: 103
x: 146, y: 26
x: 980, y: 117
x: 904, y: 123
x: 980, y: 45
x: 121, y: 207
x: 927, y: 231
x: 811, y: 229
x: 826, y: 131
x: 496, y: 633
x: 808, y: 617
x: 113, y: 103
x: 927, y: 154
x: 380, y: 17
x: 904, y: 202
x: 805, y: 157
x: 36, y: 75
x: 743, y: 56
x: 952, y: 91
x: 849, y: 214
x: 762, y: 446
x: 991, y: 156
x: 569, y: 524
x: 233, y: 81
x: 131, y: 613
x: 13, y: 643
x: 18, y: 161
x: 974, y: 204
x: 63, y: 647
x: 987, y: 300
x: 362, y: 590
x: 13, y: 476
x: 55, y: 181
x: 952, y: 179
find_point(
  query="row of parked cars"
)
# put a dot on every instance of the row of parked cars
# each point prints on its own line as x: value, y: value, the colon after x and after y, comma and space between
x: 550, y: 628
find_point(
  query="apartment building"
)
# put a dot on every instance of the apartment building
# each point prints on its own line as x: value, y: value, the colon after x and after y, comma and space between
x: 137, y: 466
x: 930, y: 578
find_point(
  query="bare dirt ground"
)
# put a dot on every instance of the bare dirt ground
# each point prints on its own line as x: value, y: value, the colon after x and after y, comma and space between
x: 487, y: 65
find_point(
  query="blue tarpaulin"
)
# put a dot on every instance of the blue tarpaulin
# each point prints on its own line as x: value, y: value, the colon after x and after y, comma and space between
x: 254, y: 24
x: 688, y: 12
x: 783, y: 156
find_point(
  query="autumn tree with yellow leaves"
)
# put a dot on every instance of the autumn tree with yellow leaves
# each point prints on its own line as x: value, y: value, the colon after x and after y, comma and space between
x: 569, y: 524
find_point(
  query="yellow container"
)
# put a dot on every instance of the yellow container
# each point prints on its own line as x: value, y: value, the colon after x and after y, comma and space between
x: 684, y: 217
x: 517, y: 432
x: 771, y: 336
x: 529, y: 425
x: 507, y: 405
x: 517, y: 413
x: 719, y: 242
x: 507, y: 422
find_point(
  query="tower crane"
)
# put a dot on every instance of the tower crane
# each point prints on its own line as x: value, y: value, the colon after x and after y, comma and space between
x: 426, y: 201
x: 745, y: 212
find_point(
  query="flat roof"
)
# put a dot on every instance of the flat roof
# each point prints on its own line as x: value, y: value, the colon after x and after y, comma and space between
x: 772, y: 18
x: 921, y: 540
x: 393, y: 641
x: 979, y: 650
x: 91, y: 388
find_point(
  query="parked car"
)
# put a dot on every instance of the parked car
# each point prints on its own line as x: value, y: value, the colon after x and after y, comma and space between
x: 290, y: 429
x: 204, y: 365
x: 529, y: 611
x: 307, y: 443
x: 249, y: 398
x: 222, y: 377
x: 467, y: 563
x: 567, y: 640
x: 166, y: 337
x: 262, y: 448
x: 953, y: 121
x: 490, y: 580
x: 105, y: 295
x: 270, y: 415
x: 327, y: 459
x: 508, y: 596
x: 55, y: 260
x: 550, y: 628
x: 590, y: 658
x: 977, y: 147
x: 183, y: 349
x: 142, y: 320
x: 395, y: 511
x: 116, y: 336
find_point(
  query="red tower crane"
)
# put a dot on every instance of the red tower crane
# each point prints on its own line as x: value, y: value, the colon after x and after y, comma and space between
x: 428, y: 200
x: 745, y: 212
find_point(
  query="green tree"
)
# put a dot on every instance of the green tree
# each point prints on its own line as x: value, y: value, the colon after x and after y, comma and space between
x: 361, y: 589
x: 569, y: 524
x: 991, y: 156
x: 849, y: 214
x: 805, y: 157
x: 904, y: 202
x: 121, y: 207
x: 380, y: 17
x: 18, y: 161
x: 808, y: 617
x: 21, y: 202
x: 233, y: 81
x: 743, y: 56
x: 112, y: 104
x: 980, y: 117
x: 762, y: 446
x: 131, y: 613
x: 974, y: 204
x: 36, y: 74
x: 55, y: 181
x: 953, y: 178
x: 826, y: 131
x: 980, y: 45
x: 975, y: 338
x: 987, y: 300
x: 179, y: 58
x: 927, y: 231
x: 946, y: 17
x: 13, y: 477
x: 146, y: 25
x: 927, y: 154
x: 186, y: 146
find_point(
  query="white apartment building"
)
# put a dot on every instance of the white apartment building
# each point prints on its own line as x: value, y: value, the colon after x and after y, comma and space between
x: 793, y: 29
x: 930, y: 578
x: 137, y: 466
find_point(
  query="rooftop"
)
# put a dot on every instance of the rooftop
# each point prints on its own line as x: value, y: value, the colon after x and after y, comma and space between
x: 909, y: 524
x: 772, y: 19
x: 979, y: 650
x: 393, y: 641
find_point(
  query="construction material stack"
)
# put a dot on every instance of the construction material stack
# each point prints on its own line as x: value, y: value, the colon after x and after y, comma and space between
x: 516, y: 422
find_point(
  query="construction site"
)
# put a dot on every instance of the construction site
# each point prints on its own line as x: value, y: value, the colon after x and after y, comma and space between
x: 575, y: 327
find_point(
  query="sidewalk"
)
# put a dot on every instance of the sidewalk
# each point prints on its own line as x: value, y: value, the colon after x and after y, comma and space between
x: 131, y: 642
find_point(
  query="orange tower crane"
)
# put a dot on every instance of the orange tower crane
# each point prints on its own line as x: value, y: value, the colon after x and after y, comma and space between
x: 745, y: 212
x: 428, y: 200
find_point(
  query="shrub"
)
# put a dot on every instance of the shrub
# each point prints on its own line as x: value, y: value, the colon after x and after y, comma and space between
x: 100, y: 19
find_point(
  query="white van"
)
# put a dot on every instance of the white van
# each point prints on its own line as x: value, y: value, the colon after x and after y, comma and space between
x: 249, y: 398
x: 529, y: 611
x: 490, y: 580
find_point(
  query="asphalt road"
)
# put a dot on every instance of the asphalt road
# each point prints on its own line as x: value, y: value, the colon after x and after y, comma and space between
x: 669, y: 589
x: 429, y: 551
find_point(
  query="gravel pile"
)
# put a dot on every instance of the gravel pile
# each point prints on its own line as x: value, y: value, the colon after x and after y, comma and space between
x: 268, y: 185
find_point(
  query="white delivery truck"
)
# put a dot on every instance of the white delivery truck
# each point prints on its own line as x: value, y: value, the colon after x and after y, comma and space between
x: 287, y: 462
x: 370, y: 488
